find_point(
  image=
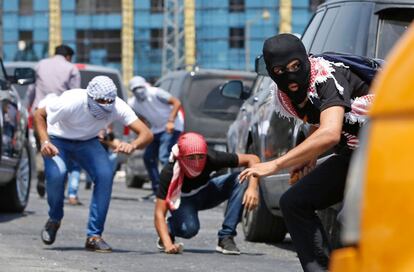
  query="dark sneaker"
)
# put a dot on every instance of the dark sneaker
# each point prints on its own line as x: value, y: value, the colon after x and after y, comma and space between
x: 49, y: 232
x: 150, y: 196
x: 74, y: 201
x: 97, y: 244
x: 88, y: 185
x: 227, y: 246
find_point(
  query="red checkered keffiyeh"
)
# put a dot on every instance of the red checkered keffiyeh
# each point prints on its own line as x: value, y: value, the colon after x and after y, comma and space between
x: 321, y: 71
x: 188, y: 144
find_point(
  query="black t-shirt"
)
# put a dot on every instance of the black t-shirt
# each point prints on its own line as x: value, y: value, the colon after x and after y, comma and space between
x: 329, y: 96
x: 216, y: 160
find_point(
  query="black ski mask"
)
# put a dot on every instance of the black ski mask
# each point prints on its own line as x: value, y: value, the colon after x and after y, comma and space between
x: 280, y: 50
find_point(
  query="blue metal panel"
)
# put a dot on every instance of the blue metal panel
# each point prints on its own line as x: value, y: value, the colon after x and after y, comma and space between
x: 41, y: 5
x: 68, y: 5
x: 10, y: 5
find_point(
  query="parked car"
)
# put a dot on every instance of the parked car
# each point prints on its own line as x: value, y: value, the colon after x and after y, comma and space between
x: 205, y: 110
x: 367, y: 28
x: 379, y: 205
x: 17, y: 164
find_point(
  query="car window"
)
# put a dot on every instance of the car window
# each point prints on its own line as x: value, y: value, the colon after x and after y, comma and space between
x: 392, y: 24
x: 205, y: 99
x: 344, y: 29
x: 165, y: 84
x: 87, y: 75
x: 308, y: 35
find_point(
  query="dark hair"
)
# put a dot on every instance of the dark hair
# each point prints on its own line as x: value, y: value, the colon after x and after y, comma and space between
x: 64, y: 50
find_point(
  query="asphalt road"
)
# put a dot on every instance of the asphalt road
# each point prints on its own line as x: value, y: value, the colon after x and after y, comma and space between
x: 129, y: 230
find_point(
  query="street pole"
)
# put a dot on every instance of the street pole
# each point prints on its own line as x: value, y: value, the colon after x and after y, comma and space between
x: 265, y: 16
x: 247, y: 44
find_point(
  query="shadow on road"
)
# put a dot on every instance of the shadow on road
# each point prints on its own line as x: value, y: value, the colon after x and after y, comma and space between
x: 7, y: 217
x: 210, y: 251
x: 286, y: 244
x: 114, y: 250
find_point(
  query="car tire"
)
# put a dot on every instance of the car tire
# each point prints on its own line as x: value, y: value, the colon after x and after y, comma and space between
x: 15, y: 195
x: 259, y: 225
x: 135, y: 181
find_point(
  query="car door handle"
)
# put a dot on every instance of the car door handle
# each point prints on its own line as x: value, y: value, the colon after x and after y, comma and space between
x: 255, y: 99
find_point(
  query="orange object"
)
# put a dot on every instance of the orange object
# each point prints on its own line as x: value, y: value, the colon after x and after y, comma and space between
x: 382, y: 238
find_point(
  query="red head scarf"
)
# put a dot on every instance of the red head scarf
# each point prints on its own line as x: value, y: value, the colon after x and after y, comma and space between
x: 188, y: 144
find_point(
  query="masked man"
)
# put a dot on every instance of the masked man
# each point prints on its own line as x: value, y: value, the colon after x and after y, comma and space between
x: 334, y: 101
x: 161, y: 110
x: 68, y: 126
x: 186, y: 187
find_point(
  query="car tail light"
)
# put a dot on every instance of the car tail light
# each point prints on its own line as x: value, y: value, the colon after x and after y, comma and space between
x: 80, y: 66
x: 351, y: 211
x: 126, y: 131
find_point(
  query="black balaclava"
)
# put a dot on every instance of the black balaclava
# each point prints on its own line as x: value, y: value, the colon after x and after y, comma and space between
x: 280, y: 50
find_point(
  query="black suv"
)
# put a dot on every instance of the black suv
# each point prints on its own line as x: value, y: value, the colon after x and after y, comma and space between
x: 17, y: 154
x: 367, y: 28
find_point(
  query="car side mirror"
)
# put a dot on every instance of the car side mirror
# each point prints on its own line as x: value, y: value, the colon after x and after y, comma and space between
x: 24, y: 76
x: 232, y: 89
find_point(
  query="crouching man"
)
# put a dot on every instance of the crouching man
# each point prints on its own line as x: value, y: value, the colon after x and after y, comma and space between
x: 186, y: 188
x: 68, y: 128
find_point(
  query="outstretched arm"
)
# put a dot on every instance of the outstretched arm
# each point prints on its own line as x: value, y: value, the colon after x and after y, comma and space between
x: 46, y: 147
x: 162, y: 228
x: 143, y: 139
x: 326, y: 136
x: 176, y: 104
x: 251, y: 195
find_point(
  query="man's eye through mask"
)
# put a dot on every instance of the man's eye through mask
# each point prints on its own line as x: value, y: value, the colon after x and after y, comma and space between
x: 290, y: 68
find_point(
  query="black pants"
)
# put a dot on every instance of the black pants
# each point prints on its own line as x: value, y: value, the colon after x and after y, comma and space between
x: 321, y: 188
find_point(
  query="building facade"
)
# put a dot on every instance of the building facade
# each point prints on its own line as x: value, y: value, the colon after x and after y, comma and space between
x: 229, y: 33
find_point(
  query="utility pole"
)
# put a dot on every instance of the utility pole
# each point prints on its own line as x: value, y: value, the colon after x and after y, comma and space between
x: 172, y: 57
x: 127, y: 40
x: 285, y: 12
x: 189, y: 34
x: 1, y: 29
x: 55, y: 26
x: 178, y: 35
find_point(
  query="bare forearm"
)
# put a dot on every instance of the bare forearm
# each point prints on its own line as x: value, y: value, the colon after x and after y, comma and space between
x: 40, y: 125
x: 162, y: 229
x: 174, y: 111
x: 144, y: 139
x: 316, y: 144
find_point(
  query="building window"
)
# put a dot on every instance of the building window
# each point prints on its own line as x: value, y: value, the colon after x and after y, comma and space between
x: 236, y: 39
x: 25, y: 7
x: 156, y: 38
x: 25, y: 50
x: 98, y: 6
x: 236, y: 5
x: 157, y: 6
x: 98, y: 46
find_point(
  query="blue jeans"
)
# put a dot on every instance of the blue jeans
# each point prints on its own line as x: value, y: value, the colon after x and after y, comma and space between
x: 92, y: 157
x: 73, y: 178
x: 184, y: 221
x: 159, y: 151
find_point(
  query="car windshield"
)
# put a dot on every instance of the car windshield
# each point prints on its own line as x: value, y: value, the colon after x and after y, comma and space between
x: 393, y: 23
x: 343, y: 30
x: 205, y: 99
